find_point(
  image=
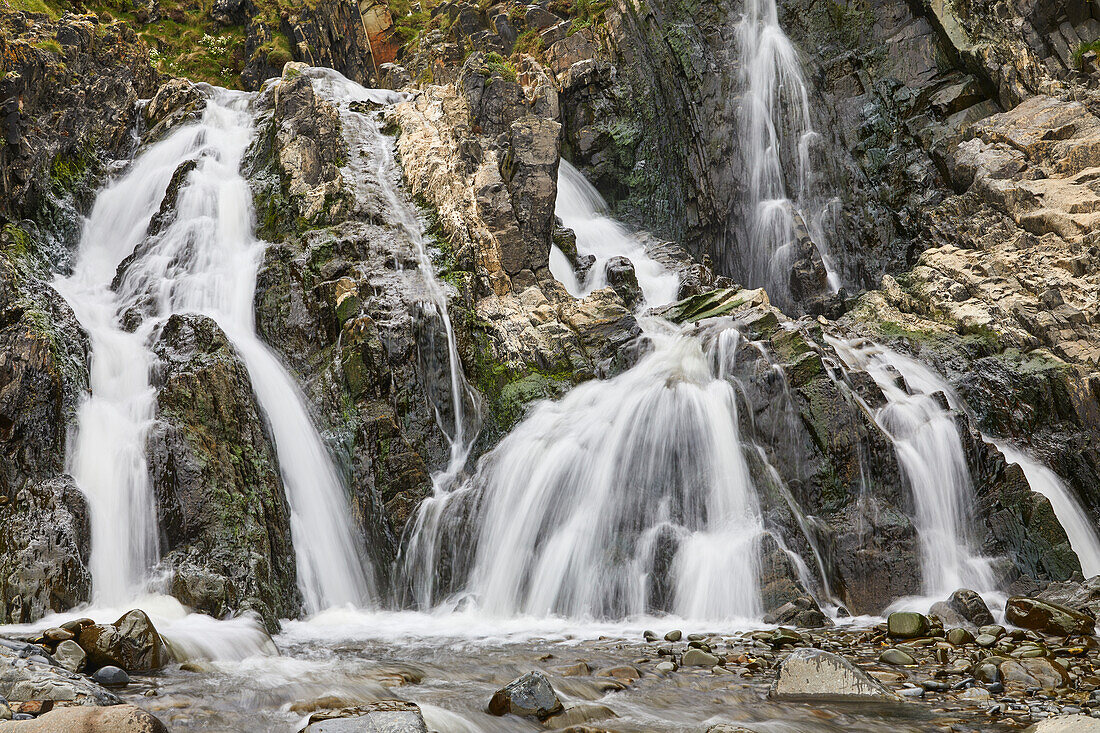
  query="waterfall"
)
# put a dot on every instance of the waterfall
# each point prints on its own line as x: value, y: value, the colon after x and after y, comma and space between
x: 626, y: 496
x: 1079, y: 527
x: 775, y: 134
x: 204, y: 261
x: 930, y: 452
x: 582, y: 209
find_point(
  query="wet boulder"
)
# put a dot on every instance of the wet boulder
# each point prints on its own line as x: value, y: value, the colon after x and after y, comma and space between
x: 70, y: 656
x: 813, y: 674
x: 25, y: 677
x: 1046, y: 618
x: 131, y: 643
x: 907, y: 625
x: 970, y: 606
x: 623, y: 280
x: 528, y: 696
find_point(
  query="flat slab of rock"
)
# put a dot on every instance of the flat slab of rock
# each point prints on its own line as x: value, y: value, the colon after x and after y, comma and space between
x: 385, y: 716
x: 812, y: 674
x: 112, y: 719
x: 1067, y: 724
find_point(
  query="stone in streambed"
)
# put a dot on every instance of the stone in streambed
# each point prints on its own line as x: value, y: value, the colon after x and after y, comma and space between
x: 896, y: 657
x: 970, y: 606
x: 1046, y: 618
x: 698, y: 658
x: 70, y: 656
x: 86, y: 719
x: 384, y: 716
x: 131, y: 643
x: 111, y: 676
x: 577, y: 715
x: 817, y: 674
x: 674, y: 635
x: 907, y: 625
x: 958, y: 637
x: 528, y: 696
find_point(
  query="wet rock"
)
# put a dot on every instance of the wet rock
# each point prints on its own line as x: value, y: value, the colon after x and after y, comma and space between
x: 971, y: 607
x: 674, y: 635
x: 528, y: 696
x: 385, y: 716
x: 176, y: 102
x: 622, y: 279
x: 579, y: 714
x: 70, y: 656
x: 959, y: 637
x: 131, y: 643
x: 1047, y: 618
x: 111, y: 676
x: 896, y: 657
x: 907, y: 625
x: 698, y: 658
x: 816, y: 674
x: 1035, y: 672
x: 221, y: 505
x: 113, y: 719
x: 25, y: 679
x: 985, y: 640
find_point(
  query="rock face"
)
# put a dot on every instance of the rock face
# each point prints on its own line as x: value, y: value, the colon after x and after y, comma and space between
x: 812, y: 674
x: 221, y: 505
x: 529, y: 696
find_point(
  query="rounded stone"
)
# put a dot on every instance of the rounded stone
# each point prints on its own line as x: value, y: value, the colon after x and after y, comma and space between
x: 111, y: 676
x: 896, y: 657
x: 958, y: 637
x: 698, y: 658
x: 907, y: 625
x: 674, y: 635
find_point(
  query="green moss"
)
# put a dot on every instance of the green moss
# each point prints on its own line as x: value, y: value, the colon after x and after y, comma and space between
x: 529, y: 42
x: 52, y: 9
x: 497, y: 65
x: 1081, y: 50
x: 49, y: 44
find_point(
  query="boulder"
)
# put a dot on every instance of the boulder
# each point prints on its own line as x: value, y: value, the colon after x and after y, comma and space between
x: 529, y: 696
x: 819, y: 675
x: 131, y: 643
x: 384, y: 716
x: 112, y: 719
x: 896, y: 657
x: 698, y: 658
x: 970, y: 606
x: 70, y: 656
x: 1035, y: 672
x: 907, y: 625
x: 1046, y: 618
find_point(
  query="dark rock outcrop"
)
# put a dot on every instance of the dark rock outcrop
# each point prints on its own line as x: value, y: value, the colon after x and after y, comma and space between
x: 225, y: 524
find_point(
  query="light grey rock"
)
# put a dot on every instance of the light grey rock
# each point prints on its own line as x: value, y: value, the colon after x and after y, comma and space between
x: 1067, y: 724
x: 816, y: 674
x: 112, y: 719
x: 385, y: 716
x: 70, y: 656
x: 26, y: 679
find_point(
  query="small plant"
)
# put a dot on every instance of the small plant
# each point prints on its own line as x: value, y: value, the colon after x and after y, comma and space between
x: 529, y: 42
x: 49, y: 44
x: 1079, y: 53
x: 497, y: 64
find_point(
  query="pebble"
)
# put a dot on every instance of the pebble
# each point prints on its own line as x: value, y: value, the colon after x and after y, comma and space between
x: 111, y: 676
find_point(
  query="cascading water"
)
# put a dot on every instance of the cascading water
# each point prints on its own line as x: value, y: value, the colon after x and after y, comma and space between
x: 929, y: 449
x: 1071, y: 515
x: 604, y: 496
x: 582, y: 209
x: 776, y: 135
x: 204, y: 261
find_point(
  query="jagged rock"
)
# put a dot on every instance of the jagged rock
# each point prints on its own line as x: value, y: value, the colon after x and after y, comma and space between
x: 232, y: 12
x: 70, y: 656
x: 1047, y: 618
x: 622, y: 279
x: 812, y: 674
x: 528, y: 696
x: 113, y: 719
x: 33, y: 678
x: 385, y: 716
x: 176, y: 102
x: 131, y: 642
x: 220, y: 500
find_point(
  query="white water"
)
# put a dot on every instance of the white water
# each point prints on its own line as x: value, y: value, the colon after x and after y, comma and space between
x: 582, y: 209
x: 930, y: 452
x: 775, y: 132
x: 617, y: 487
x: 206, y: 262
x: 1071, y: 515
